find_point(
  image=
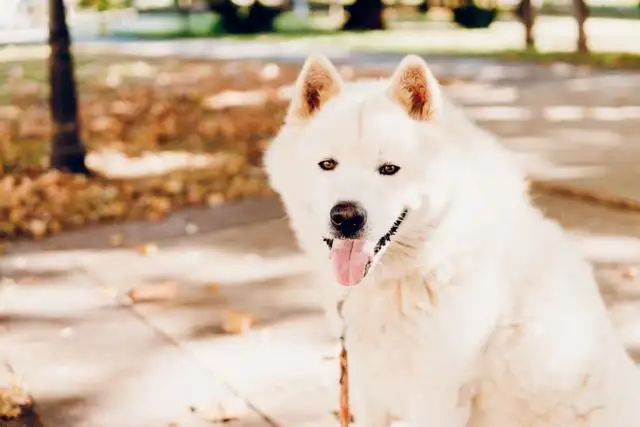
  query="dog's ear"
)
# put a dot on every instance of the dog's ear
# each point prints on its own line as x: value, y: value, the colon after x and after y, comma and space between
x: 318, y: 82
x: 414, y: 87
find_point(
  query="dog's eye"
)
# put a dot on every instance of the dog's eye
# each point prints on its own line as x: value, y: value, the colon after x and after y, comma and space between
x: 328, y: 165
x: 388, y: 169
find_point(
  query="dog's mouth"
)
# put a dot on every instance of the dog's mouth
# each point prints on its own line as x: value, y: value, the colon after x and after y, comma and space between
x: 352, y: 258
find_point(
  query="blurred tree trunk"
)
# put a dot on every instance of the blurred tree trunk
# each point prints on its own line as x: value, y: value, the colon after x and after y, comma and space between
x: 365, y: 15
x: 581, y: 13
x: 526, y: 12
x: 67, y: 150
x: 183, y: 12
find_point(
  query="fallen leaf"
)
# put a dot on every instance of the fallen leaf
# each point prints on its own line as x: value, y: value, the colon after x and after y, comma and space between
x: 211, y: 286
x: 630, y: 273
x: 116, y: 239
x: 147, y: 248
x: 237, y: 322
x: 12, y: 400
x: 153, y: 292
x: 37, y: 228
x: 156, y: 148
x: 223, y: 412
x: 215, y: 199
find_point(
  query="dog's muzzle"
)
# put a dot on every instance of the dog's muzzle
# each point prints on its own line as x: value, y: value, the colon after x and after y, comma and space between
x: 348, y: 220
x: 353, y: 257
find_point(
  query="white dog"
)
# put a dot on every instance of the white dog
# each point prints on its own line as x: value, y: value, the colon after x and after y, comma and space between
x: 463, y: 306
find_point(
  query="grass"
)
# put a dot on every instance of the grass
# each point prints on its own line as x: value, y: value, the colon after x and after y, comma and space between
x: 169, y: 26
x: 607, y: 60
x: 439, y: 36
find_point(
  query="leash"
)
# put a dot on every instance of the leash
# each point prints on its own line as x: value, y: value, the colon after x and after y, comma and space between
x: 343, y: 414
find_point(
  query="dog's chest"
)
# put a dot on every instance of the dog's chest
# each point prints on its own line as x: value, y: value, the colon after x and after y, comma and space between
x: 407, y: 341
x: 389, y: 333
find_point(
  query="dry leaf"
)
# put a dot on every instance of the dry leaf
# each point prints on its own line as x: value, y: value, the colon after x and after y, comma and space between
x: 157, y: 148
x: 12, y: 400
x: 215, y: 199
x: 223, y: 412
x: 37, y: 228
x: 630, y: 273
x: 116, y: 239
x: 153, y: 292
x: 147, y: 248
x: 211, y: 286
x: 237, y: 322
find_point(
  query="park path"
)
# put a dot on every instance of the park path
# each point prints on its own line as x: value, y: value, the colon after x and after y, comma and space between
x: 92, y: 358
x: 553, y: 33
x: 566, y: 123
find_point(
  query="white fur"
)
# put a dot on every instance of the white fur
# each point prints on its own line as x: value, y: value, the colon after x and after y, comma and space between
x: 480, y: 313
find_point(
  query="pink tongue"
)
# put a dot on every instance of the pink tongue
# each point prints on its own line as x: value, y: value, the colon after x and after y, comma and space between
x: 349, y: 261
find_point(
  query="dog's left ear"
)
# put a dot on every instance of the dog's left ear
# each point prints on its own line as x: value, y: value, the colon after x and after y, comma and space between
x: 318, y: 82
x: 414, y: 87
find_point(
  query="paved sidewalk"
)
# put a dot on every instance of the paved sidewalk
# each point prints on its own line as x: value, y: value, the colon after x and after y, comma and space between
x: 92, y: 359
x: 565, y: 123
x: 581, y: 130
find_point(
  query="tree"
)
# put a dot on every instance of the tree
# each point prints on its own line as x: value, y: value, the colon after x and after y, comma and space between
x: 423, y: 6
x: 581, y: 13
x: 365, y: 15
x: 179, y: 6
x: 526, y: 12
x: 67, y: 150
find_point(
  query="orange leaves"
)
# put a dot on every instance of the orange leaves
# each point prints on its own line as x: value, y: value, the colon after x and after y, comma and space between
x: 161, y: 134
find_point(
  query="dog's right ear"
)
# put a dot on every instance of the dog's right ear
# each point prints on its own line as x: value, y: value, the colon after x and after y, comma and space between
x: 414, y: 87
x: 318, y: 82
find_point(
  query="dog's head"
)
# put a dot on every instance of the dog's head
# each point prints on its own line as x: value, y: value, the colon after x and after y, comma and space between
x: 354, y: 164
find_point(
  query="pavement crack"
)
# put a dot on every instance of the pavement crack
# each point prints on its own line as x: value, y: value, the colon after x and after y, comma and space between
x: 126, y: 303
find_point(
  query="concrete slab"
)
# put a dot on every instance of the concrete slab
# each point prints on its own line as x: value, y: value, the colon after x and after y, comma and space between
x: 92, y: 358
x: 89, y: 361
x: 581, y: 131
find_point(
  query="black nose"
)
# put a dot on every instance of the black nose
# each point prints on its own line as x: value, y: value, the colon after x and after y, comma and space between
x: 348, y: 219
